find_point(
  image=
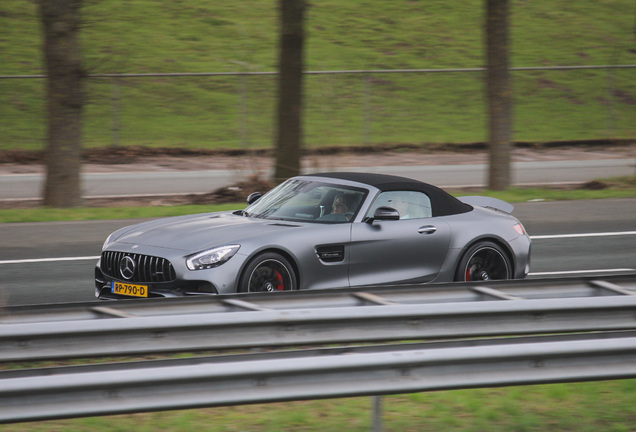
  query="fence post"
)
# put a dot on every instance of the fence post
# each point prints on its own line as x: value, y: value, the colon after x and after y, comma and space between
x: 611, y: 100
x: 115, y: 121
x: 243, y: 104
x: 366, y: 110
x: 243, y: 109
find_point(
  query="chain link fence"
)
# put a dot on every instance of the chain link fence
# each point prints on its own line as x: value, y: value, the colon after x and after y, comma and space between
x: 348, y: 107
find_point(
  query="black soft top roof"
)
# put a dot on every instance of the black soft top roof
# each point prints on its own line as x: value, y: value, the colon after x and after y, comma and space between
x: 443, y: 204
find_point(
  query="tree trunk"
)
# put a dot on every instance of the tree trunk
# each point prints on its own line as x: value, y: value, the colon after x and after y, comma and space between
x: 499, y: 94
x: 65, y: 98
x: 290, y: 80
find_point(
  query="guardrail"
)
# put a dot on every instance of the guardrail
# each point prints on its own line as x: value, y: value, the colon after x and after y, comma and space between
x: 531, y: 289
x: 196, y: 383
x: 370, y: 314
x: 583, y: 310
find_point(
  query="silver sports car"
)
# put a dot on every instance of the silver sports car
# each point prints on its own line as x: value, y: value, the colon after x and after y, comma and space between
x: 318, y: 231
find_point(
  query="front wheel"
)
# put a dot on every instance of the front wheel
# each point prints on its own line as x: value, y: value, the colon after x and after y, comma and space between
x: 268, y: 272
x: 482, y: 262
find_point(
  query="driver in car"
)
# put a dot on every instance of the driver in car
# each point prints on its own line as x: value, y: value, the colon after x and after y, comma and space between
x: 343, y: 207
x: 343, y: 204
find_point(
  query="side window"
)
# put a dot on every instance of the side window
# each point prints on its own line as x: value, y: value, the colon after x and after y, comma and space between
x: 410, y: 204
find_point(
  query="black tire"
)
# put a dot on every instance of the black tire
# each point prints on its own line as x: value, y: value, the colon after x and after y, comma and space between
x: 482, y: 262
x: 268, y: 272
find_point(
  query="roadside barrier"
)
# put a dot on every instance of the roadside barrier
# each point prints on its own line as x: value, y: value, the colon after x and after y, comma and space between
x: 595, y: 319
x: 371, y: 314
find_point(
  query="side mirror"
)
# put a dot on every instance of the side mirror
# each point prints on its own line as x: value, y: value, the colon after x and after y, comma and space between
x: 253, y: 197
x: 384, y: 214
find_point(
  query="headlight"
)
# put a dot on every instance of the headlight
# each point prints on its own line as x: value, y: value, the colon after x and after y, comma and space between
x: 211, y: 258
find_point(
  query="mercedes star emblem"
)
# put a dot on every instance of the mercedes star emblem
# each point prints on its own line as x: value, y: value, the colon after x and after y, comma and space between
x: 127, y: 267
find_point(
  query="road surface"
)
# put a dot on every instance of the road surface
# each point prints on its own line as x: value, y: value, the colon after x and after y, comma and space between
x: 131, y: 181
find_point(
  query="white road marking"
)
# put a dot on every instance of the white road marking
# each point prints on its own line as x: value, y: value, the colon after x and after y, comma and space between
x: 39, y: 260
x: 604, y: 234
x: 618, y: 270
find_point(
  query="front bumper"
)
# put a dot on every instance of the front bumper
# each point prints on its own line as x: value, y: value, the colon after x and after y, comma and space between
x: 103, y: 287
x: 218, y: 280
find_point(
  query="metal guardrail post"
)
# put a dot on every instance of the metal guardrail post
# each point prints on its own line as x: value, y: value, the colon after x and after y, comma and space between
x: 377, y: 413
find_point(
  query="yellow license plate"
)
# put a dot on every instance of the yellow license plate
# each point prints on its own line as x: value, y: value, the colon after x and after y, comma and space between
x: 129, y: 289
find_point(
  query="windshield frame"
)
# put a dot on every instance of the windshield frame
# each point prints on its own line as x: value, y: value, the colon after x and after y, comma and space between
x: 275, y: 204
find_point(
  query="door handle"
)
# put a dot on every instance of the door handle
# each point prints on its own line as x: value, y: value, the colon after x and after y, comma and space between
x: 427, y: 229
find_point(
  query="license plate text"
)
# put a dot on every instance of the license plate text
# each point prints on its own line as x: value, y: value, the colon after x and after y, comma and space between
x: 129, y: 289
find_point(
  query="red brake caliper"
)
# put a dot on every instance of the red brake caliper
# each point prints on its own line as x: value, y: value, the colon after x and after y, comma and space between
x: 280, y: 286
x: 467, y: 275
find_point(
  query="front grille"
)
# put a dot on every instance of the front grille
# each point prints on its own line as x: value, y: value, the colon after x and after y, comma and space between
x: 148, y: 269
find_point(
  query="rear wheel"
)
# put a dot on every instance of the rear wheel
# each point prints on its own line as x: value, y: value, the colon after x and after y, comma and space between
x: 268, y: 272
x: 484, y: 261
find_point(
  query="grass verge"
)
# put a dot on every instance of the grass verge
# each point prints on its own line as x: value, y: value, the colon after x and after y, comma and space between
x: 576, y: 407
x: 101, y: 213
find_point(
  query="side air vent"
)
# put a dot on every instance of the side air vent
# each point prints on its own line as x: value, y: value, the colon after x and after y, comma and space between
x: 331, y: 253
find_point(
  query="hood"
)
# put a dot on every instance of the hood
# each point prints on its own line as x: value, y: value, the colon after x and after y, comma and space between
x: 196, y: 232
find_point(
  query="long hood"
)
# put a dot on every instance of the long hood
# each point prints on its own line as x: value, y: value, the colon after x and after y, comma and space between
x: 196, y: 232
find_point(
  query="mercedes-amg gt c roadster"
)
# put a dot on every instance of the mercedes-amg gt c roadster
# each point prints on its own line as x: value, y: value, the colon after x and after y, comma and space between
x: 330, y: 230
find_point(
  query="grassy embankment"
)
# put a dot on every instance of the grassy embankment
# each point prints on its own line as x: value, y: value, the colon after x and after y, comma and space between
x: 231, y: 112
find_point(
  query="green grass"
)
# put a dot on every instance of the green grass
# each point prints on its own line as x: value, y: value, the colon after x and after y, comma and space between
x: 101, y: 213
x: 231, y: 112
x: 617, y: 188
x: 579, y: 407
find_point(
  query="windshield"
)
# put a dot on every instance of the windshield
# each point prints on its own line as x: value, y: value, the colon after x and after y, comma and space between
x: 309, y: 201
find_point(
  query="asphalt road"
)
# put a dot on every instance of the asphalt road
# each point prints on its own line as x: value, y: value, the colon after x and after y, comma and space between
x: 29, y: 186
x: 53, y: 262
